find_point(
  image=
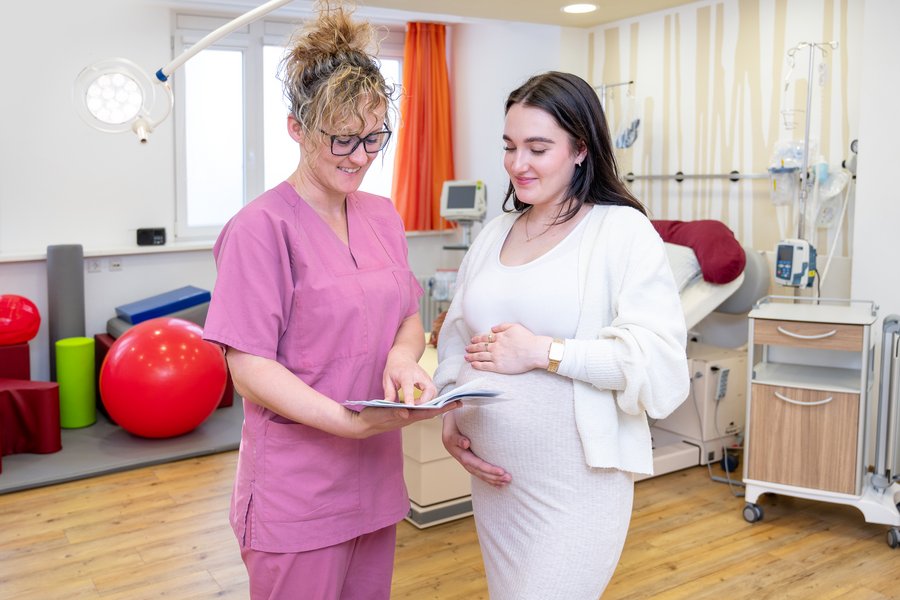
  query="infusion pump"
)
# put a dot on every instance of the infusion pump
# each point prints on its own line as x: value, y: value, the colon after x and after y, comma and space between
x: 795, y: 263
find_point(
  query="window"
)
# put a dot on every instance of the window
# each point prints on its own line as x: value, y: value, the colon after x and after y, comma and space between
x: 214, y: 136
x: 231, y: 122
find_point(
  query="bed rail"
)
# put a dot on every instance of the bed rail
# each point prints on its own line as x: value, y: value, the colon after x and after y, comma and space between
x: 889, y: 393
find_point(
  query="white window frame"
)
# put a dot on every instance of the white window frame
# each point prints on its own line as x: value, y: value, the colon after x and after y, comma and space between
x: 189, y: 28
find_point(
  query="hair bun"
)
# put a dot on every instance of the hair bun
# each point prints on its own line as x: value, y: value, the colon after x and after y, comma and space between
x: 333, y: 34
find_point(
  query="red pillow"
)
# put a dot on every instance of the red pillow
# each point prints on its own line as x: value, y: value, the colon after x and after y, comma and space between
x: 720, y: 255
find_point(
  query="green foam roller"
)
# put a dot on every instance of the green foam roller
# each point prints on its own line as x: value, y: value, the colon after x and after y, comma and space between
x: 75, y: 375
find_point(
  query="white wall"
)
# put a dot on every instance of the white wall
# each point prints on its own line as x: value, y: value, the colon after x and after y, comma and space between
x: 488, y: 61
x: 877, y: 213
x: 62, y: 181
x: 575, y: 52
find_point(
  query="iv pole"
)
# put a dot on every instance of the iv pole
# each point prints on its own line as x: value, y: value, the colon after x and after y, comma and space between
x: 804, y: 192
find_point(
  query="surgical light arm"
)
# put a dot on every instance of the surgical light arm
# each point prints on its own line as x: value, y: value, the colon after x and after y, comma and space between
x: 116, y: 95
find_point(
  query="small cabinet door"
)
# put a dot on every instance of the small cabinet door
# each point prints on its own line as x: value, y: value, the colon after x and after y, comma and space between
x: 804, y: 438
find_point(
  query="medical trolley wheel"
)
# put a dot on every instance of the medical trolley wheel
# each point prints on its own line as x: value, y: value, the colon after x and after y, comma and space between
x: 893, y: 537
x: 752, y: 512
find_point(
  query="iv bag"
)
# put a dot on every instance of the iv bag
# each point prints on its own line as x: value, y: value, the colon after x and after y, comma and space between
x: 784, y: 185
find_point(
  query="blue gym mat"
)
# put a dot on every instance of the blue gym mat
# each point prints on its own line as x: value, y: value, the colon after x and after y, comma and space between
x: 162, y: 305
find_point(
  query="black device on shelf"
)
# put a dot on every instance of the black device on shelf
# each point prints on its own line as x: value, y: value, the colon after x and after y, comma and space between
x: 151, y: 236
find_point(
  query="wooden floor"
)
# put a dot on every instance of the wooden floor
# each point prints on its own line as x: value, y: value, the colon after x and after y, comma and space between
x: 162, y: 532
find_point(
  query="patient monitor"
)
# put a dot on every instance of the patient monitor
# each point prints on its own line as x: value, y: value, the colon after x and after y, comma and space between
x: 465, y: 202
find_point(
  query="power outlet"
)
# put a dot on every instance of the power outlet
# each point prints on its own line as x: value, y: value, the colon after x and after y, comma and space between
x: 115, y: 264
x: 93, y: 265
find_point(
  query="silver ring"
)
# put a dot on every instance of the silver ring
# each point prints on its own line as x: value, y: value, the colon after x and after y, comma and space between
x: 485, y: 347
x: 491, y: 338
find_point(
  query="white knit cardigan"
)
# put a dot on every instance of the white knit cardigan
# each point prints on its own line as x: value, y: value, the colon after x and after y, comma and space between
x: 631, y: 324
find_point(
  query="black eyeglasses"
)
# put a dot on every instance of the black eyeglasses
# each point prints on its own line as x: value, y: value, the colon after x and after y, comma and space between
x: 345, y: 145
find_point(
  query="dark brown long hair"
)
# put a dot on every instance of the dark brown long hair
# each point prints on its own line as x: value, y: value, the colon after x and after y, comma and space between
x: 575, y: 107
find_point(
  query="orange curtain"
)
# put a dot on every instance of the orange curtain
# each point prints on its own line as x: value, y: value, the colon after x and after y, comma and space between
x: 424, y: 149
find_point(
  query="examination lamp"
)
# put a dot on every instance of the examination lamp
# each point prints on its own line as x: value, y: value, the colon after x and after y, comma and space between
x: 116, y: 95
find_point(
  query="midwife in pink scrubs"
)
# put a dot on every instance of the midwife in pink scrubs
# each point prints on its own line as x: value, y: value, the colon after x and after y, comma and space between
x: 315, y: 304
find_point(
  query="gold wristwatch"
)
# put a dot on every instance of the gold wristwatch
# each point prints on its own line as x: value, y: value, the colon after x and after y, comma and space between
x: 555, y: 354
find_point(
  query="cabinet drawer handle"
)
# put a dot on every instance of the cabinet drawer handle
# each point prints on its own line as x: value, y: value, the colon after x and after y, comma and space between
x: 818, y: 336
x: 798, y: 403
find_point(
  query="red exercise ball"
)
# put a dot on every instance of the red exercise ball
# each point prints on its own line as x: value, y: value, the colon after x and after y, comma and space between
x: 161, y: 378
x: 19, y: 319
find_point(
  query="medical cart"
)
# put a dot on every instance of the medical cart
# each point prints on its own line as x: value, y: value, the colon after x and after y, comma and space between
x: 810, y: 405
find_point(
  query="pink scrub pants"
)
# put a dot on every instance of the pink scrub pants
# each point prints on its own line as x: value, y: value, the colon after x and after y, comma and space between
x: 358, y: 569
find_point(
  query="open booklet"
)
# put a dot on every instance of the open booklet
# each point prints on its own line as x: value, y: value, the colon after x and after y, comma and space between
x: 473, y: 392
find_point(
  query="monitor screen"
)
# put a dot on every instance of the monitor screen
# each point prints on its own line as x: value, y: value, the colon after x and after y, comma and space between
x: 461, y: 196
x: 785, y: 252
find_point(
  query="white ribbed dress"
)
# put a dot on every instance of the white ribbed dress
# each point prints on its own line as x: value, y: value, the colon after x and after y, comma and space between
x: 557, y: 530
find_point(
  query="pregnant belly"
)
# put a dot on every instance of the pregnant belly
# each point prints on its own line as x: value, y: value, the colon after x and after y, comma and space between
x: 526, y: 429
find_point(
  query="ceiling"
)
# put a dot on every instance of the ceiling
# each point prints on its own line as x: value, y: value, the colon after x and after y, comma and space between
x: 547, y: 12
x: 531, y: 11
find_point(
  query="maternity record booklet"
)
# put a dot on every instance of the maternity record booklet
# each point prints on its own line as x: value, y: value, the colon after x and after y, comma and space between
x: 471, y: 393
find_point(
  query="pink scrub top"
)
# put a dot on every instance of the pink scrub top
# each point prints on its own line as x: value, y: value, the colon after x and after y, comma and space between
x: 290, y: 290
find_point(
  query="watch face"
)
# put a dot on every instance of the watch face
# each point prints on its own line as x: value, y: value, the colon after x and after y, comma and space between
x: 556, y: 351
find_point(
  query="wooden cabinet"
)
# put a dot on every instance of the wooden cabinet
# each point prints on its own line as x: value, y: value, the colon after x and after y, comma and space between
x: 804, y: 437
x: 810, y: 374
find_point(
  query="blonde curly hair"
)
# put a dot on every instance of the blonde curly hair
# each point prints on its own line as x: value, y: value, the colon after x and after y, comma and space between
x: 331, y: 76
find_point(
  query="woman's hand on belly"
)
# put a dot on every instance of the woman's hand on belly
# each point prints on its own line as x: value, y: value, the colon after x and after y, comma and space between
x: 459, y: 448
x: 508, y: 348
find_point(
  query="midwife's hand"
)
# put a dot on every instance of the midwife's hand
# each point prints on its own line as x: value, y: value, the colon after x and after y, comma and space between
x: 374, y: 420
x: 404, y: 374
